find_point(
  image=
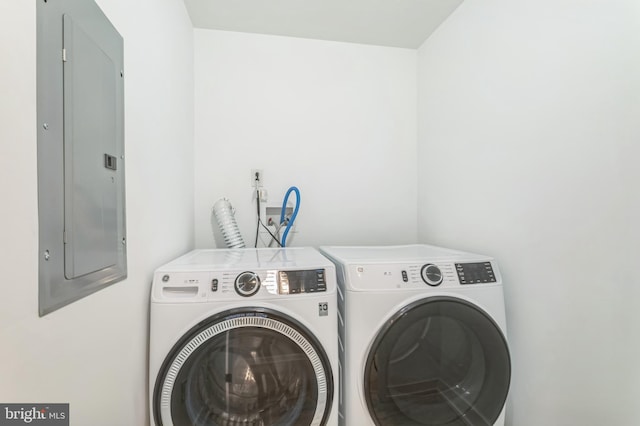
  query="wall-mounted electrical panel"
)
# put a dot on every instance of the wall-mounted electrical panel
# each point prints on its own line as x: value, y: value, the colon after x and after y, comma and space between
x: 81, y: 191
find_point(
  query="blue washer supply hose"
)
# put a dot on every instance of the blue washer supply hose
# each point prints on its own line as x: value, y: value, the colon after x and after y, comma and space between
x: 293, y: 216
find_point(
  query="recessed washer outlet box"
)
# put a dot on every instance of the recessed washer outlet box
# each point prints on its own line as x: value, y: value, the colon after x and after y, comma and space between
x: 272, y: 215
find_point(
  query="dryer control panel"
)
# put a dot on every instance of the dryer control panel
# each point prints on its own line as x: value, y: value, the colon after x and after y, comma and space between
x: 420, y: 275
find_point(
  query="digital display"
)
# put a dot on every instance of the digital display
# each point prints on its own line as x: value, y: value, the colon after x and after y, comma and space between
x: 305, y: 281
x: 475, y: 273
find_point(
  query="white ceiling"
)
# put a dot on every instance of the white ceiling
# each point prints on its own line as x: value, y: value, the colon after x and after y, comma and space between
x: 395, y: 23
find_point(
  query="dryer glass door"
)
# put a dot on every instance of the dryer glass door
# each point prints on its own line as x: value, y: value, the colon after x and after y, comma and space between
x: 438, y: 361
x: 246, y: 368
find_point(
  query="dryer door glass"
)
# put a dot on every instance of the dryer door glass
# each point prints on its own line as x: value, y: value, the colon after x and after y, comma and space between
x: 439, y: 361
x: 245, y: 369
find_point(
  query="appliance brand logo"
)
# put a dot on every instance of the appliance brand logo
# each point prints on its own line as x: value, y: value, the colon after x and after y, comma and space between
x: 34, y: 414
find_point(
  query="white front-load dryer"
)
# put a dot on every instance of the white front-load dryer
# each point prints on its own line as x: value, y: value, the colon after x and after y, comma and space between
x: 244, y: 337
x: 422, y: 337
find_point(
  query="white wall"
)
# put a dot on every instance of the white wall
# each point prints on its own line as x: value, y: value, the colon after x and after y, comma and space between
x: 529, y: 124
x: 92, y: 354
x: 527, y: 140
x: 335, y: 119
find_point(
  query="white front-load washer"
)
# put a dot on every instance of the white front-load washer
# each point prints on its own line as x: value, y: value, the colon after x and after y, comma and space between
x: 422, y: 337
x: 244, y: 337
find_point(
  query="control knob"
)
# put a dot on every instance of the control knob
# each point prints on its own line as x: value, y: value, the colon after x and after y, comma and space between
x: 431, y: 274
x: 247, y: 284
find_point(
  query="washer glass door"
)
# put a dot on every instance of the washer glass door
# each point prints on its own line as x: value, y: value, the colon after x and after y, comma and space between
x: 438, y: 361
x: 248, y: 369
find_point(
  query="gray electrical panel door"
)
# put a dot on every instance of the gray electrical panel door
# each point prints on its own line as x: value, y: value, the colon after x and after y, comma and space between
x: 80, y: 152
x: 91, y: 203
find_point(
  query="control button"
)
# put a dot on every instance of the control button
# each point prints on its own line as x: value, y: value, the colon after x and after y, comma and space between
x: 214, y: 284
x: 405, y: 277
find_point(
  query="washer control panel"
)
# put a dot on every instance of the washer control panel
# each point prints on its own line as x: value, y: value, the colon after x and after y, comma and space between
x: 216, y: 285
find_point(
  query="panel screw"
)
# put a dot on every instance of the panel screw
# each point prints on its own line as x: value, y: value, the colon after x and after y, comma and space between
x: 47, y: 256
x: 45, y: 126
x: 165, y: 278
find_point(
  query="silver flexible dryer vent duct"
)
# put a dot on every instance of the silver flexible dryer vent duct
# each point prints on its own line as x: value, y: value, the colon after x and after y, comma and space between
x: 225, y: 217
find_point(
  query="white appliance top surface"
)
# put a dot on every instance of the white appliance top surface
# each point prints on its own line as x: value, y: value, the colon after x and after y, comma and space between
x: 249, y: 258
x: 392, y: 254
